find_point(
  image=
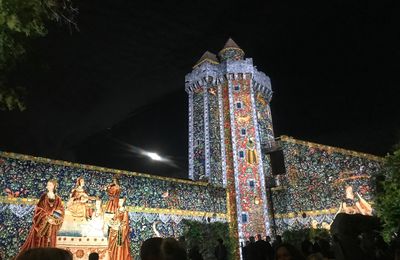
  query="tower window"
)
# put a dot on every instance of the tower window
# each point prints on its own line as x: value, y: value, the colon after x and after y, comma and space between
x: 241, y: 154
x: 198, y: 142
x: 236, y: 88
x: 251, y: 184
x: 245, y: 218
x: 239, y: 105
x: 243, y: 131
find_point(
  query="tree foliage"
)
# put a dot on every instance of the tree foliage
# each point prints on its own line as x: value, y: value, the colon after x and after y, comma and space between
x: 205, y: 236
x: 388, y: 201
x: 20, y: 22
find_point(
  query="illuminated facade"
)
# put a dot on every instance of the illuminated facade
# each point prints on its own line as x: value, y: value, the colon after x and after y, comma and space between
x: 229, y: 117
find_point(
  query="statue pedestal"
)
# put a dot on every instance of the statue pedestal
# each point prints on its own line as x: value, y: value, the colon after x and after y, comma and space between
x: 81, y: 247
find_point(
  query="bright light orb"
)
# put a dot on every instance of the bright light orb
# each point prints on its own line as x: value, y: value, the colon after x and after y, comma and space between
x: 154, y: 156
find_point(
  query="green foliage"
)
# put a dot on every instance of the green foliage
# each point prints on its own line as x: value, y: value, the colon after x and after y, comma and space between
x: 10, y: 98
x: 205, y: 235
x: 388, y: 202
x: 296, y: 236
x: 21, y: 21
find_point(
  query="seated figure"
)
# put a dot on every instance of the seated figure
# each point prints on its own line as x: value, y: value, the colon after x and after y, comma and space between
x: 79, y: 203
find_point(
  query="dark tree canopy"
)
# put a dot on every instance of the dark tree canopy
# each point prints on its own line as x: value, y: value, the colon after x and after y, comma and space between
x: 20, y: 22
x: 388, y: 202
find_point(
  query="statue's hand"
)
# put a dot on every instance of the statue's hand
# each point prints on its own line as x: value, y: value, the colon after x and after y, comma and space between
x: 51, y: 221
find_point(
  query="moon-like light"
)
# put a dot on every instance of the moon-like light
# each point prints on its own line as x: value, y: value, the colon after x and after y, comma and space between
x: 154, y: 156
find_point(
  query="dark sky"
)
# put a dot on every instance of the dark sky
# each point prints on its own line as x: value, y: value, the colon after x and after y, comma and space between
x: 118, y: 82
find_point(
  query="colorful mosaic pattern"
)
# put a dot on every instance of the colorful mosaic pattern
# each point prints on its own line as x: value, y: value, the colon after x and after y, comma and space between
x: 230, y: 174
x: 231, y: 54
x: 264, y: 119
x: 149, y: 199
x: 214, y: 137
x: 248, y: 169
x: 16, y: 220
x: 198, y: 135
x: 315, y: 181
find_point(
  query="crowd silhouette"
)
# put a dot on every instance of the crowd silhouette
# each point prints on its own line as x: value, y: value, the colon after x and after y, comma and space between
x: 369, y: 248
x: 344, y: 243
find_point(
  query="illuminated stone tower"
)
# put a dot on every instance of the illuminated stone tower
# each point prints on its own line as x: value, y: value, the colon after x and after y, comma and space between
x: 229, y: 119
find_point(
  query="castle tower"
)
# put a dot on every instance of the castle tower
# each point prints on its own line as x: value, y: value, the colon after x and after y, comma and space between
x: 229, y: 119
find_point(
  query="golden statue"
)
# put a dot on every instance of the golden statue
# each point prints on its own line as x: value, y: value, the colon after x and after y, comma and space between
x: 251, y: 154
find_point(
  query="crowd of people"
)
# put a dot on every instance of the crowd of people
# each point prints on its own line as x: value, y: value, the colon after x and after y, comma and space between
x: 156, y: 248
x: 365, y: 247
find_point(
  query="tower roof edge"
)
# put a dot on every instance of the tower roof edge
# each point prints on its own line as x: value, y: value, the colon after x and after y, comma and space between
x: 230, y: 44
x: 207, y: 57
x: 231, y: 51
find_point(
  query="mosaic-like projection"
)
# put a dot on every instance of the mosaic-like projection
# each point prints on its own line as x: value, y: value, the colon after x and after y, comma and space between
x: 231, y: 85
x: 87, y: 204
x: 216, y: 176
x: 199, y: 159
x: 264, y: 118
x: 231, y: 139
x: 321, y: 181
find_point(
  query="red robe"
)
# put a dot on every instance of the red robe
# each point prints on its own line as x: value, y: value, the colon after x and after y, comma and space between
x: 113, y: 191
x: 118, y: 240
x: 42, y: 233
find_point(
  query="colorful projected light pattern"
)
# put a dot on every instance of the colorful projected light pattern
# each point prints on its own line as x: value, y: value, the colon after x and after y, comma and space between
x: 311, y: 191
x: 216, y: 175
x: 264, y: 117
x: 248, y: 159
x: 151, y: 200
x: 231, y: 153
x: 229, y: 120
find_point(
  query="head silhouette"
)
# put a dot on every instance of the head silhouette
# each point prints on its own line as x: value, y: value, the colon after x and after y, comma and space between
x: 48, y: 253
x: 151, y: 249
x: 93, y: 256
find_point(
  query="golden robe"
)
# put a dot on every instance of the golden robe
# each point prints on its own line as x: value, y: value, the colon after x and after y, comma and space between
x: 78, y: 205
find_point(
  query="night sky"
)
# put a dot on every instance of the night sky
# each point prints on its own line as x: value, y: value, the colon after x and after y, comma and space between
x: 98, y: 94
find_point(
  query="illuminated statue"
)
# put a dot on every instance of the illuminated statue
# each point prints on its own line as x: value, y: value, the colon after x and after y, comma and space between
x: 47, y: 219
x: 78, y: 204
x: 118, y: 238
x: 113, y: 190
x: 354, y: 205
x: 251, y: 155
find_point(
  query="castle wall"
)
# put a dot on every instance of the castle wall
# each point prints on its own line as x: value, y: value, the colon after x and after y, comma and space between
x: 313, y: 188
x: 150, y: 199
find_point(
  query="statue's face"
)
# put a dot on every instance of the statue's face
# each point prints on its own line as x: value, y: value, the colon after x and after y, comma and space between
x: 50, y: 186
x: 349, y: 190
x: 82, y: 182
